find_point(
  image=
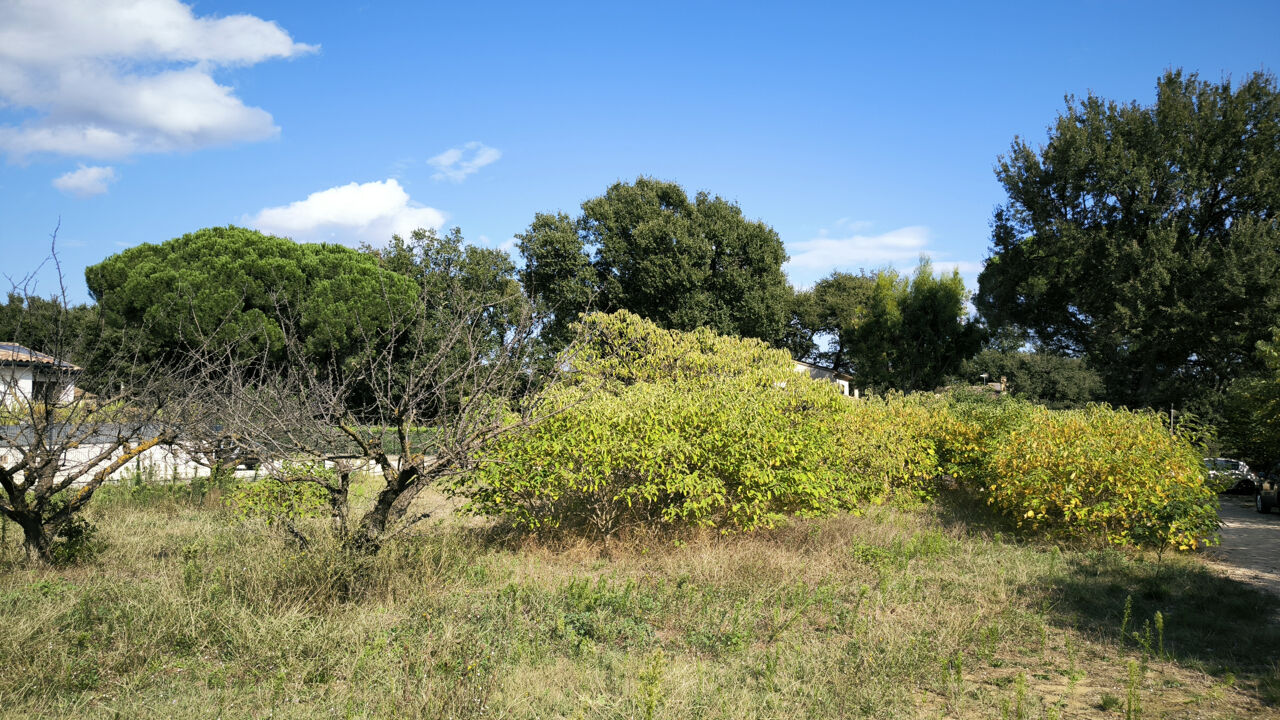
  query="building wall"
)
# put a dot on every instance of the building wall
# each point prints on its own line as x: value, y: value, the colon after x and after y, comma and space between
x: 15, y: 383
x: 18, y: 384
x: 156, y: 464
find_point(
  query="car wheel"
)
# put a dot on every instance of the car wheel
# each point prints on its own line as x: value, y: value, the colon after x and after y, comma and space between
x: 1260, y: 504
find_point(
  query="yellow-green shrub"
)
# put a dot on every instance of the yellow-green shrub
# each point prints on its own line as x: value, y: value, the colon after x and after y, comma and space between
x: 1097, y: 473
x: 664, y: 427
x: 659, y: 427
x: 1111, y: 474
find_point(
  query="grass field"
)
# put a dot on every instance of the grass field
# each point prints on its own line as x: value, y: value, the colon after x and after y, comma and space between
x: 189, y: 611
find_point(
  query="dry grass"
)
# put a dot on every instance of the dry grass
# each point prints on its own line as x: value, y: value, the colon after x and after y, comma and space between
x: 899, y: 613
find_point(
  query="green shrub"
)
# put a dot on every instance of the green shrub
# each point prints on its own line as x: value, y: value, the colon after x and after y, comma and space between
x: 1111, y: 474
x: 278, y: 501
x: 667, y: 428
x: 1095, y: 473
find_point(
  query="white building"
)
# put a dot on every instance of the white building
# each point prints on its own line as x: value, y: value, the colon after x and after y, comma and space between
x: 29, y: 376
x: 817, y: 372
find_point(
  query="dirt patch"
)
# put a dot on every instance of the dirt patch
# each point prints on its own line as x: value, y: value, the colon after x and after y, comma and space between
x: 1250, y: 549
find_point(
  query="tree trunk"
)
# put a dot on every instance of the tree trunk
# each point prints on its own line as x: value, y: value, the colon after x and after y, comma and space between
x: 367, y: 538
x: 386, y: 510
x: 36, y: 538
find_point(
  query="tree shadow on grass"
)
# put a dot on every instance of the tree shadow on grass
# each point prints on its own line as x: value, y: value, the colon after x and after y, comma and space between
x: 1210, y: 622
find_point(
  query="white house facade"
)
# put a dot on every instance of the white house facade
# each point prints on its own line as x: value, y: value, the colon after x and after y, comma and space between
x: 28, y: 376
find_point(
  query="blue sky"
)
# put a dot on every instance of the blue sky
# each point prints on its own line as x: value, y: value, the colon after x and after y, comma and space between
x: 865, y: 134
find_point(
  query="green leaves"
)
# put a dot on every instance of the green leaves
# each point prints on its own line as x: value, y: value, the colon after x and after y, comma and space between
x: 1095, y: 473
x: 236, y: 285
x: 1145, y: 239
x: 664, y: 427
x: 648, y: 248
x: 890, y: 331
x: 1252, y: 413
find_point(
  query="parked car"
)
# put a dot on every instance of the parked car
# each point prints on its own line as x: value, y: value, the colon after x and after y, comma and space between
x: 1268, y: 489
x: 1231, y: 476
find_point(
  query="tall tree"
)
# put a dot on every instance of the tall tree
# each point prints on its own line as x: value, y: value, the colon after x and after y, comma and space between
x: 231, y: 283
x: 1251, y: 426
x: 916, y: 331
x: 825, y: 318
x: 35, y: 322
x: 648, y: 248
x: 451, y: 270
x: 887, y: 330
x: 1146, y: 238
x: 557, y: 274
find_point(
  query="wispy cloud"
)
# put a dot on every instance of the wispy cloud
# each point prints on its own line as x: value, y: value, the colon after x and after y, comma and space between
x: 112, y: 78
x: 357, y: 212
x: 457, y: 163
x: 852, y: 249
x: 825, y: 253
x: 86, y: 181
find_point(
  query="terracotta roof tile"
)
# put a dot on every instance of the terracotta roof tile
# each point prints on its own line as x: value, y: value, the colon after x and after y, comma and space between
x: 15, y: 354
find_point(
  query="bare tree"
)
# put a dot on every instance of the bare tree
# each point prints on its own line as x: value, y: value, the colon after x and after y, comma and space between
x: 58, y: 442
x: 414, y: 405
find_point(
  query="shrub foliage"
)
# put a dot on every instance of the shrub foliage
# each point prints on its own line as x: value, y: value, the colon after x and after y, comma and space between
x: 668, y: 428
x: 1095, y: 473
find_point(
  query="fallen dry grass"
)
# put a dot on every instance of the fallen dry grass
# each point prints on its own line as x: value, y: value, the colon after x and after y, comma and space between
x: 919, y: 612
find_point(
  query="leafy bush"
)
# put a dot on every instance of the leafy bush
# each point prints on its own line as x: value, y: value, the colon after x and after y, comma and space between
x: 76, y: 542
x: 1094, y: 473
x: 666, y: 427
x: 671, y: 428
x: 1112, y: 474
x: 283, y: 501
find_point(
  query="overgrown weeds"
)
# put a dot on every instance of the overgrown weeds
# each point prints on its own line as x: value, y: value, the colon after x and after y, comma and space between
x: 197, y: 611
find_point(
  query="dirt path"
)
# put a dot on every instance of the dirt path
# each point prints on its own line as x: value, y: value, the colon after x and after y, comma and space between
x: 1250, y: 549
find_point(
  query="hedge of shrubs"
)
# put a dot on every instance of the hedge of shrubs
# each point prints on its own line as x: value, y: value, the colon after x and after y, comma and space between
x: 664, y: 427
x: 1095, y: 473
x: 660, y: 427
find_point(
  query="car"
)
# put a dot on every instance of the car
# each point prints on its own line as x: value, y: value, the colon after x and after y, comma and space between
x: 1231, y: 476
x: 1268, y: 489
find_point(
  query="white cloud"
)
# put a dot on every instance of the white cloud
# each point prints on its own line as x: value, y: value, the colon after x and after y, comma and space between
x: 370, y: 212
x: 86, y: 181
x: 457, y: 163
x: 825, y: 253
x: 111, y: 78
x: 900, y: 249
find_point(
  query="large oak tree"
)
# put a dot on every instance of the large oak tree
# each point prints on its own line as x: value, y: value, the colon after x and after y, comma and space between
x: 1146, y: 238
x: 649, y: 248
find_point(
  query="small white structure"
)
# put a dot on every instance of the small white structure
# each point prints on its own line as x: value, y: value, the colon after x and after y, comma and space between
x: 28, y: 376
x: 817, y: 372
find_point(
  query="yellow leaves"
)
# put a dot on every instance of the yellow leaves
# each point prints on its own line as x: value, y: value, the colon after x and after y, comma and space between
x: 1098, y: 472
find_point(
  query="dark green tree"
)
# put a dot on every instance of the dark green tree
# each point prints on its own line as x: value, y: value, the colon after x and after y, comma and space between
x: 825, y: 318
x: 1251, y: 416
x: 557, y: 274
x: 234, y: 285
x: 39, y: 322
x: 1146, y: 238
x: 452, y: 273
x: 891, y: 332
x: 648, y: 248
x: 1056, y: 381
